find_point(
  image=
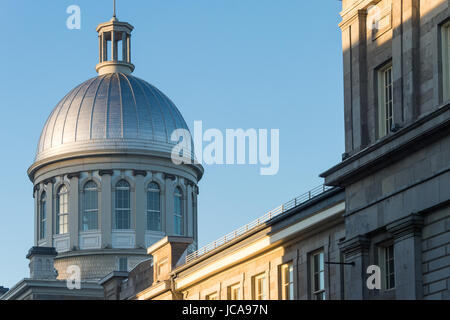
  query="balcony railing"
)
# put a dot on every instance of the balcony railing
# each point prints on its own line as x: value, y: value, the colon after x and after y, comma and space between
x: 261, y: 220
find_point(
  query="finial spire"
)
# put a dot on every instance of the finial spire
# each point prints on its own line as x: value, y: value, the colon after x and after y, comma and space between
x: 114, y: 13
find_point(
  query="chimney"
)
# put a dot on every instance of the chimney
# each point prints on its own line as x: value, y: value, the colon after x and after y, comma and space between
x: 41, y: 263
x: 167, y: 255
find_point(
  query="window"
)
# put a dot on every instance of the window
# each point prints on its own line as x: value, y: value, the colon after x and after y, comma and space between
x: 287, y: 281
x: 318, y: 276
x: 122, y: 219
x: 385, y: 100
x: 90, y: 207
x: 42, y: 216
x: 259, y: 287
x: 446, y: 61
x: 178, y: 212
x: 153, y: 207
x: 123, y: 264
x: 62, y: 211
x: 234, y: 292
x: 386, y: 260
x: 212, y: 296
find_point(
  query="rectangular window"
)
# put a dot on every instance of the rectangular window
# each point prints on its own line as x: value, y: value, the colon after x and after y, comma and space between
x: 318, y: 276
x: 385, y: 100
x: 212, y: 296
x: 287, y: 281
x: 153, y: 211
x: 387, y: 264
x: 123, y: 264
x: 234, y: 292
x: 446, y: 61
x: 259, y: 287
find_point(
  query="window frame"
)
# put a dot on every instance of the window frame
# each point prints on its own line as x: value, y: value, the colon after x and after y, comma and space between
x: 43, y: 216
x: 262, y: 295
x: 287, y: 289
x: 121, y: 212
x: 385, y: 121
x: 231, y: 291
x: 151, y: 213
x: 211, y: 295
x: 320, y: 271
x: 91, y: 211
x: 384, y: 262
x: 120, y: 265
x: 178, y: 216
x: 62, y: 210
x: 445, y: 63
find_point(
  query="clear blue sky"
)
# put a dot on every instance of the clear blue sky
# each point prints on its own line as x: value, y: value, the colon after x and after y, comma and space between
x: 230, y: 63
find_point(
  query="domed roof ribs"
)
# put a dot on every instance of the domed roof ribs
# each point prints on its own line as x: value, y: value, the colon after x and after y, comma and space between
x: 179, y: 121
x: 107, y: 105
x: 122, y: 135
x: 135, y: 104
x: 93, y: 105
x: 160, y: 109
x: 44, y: 137
x: 169, y: 111
x: 148, y: 109
x: 78, y: 112
x: 59, y: 111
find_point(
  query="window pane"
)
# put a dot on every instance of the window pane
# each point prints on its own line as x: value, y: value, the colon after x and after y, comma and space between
x: 178, y: 212
x: 90, y: 211
x: 122, y: 205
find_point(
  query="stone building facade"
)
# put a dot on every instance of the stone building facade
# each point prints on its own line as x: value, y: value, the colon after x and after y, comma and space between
x: 294, y: 255
x: 395, y: 169
x: 394, y: 177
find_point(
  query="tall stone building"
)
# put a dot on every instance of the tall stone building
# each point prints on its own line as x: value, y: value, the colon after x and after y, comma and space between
x: 396, y: 165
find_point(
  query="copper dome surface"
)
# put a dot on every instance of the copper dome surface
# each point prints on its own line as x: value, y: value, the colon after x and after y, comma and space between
x: 114, y: 111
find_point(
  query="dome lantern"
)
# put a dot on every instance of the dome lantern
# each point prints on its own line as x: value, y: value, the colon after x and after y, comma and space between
x: 114, y: 47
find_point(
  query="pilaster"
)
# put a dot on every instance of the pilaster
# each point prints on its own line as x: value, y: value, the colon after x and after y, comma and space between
x: 407, y: 233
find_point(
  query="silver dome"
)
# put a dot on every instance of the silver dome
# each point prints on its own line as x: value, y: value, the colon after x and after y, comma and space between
x: 114, y: 111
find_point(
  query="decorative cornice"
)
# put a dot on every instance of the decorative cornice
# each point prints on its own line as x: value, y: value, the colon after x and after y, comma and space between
x: 189, y: 183
x: 390, y: 148
x: 103, y: 172
x: 41, y: 251
x: 169, y: 176
x: 74, y: 175
x: 140, y: 173
x: 49, y: 180
x: 406, y: 227
x: 355, y: 245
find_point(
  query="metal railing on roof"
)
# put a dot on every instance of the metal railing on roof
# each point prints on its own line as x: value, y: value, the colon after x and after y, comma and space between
x: 261, y: 220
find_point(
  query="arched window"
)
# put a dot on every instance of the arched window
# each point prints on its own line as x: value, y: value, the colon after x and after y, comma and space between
x: 62, y: 211
x: 90, y: 207
x: 178, y: 211
x: 153, y: 207
x: 122, y: 219
x: 42, y: 216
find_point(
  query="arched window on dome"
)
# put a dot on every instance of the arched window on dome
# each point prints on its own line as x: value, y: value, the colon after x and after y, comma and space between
x: 90, y: 207
x: 62, y: 211
x: 178, y: 211
x: 153, y: 207
x: 122, y: 208
x: 42, y: 216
